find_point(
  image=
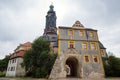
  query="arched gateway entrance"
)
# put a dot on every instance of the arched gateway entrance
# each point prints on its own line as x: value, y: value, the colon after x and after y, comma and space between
x: 72, y: 67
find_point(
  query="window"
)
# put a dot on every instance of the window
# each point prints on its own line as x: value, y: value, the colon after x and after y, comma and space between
x: 102, y: 52
x: 91, y: 34
x: 13, y: 61
x: 53, y: 37
x: 11, y: 68
x: 71, y: 44
x: 95, y: 59
x: 70, y: 32
x: 93, y: 46
x: 87, y: 58
x: 81, y: 33
x: 84, y: 46
x: 10, y: 61
x: 8, y: 68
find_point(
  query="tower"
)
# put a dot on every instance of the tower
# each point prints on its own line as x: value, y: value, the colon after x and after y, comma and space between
x: 50, y: 31
x: 50, y: 27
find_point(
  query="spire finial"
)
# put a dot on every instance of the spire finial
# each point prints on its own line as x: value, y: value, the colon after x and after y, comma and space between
x: 51, y: 6
x: 51, y: 3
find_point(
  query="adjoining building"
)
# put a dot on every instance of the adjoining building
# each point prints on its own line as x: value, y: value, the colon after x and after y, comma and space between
x: 15, y: 62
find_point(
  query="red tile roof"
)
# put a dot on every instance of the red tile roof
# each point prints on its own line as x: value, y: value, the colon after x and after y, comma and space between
x: 27, y: 44
x: 21, y: 52
x: 17, y: 54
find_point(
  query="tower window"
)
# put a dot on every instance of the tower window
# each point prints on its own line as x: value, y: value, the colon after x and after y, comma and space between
x: 70, y: 32
x: 84, y: 46
x: 53, y: 37
x: 71, y: 44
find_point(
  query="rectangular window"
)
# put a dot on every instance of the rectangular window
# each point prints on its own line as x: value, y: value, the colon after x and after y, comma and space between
x: 87, y: 58
x: 102, y: 52
x: 81, y: 33
x: 71, y: 44
x: 91, y: 34
x: 8, y: 68
x: 10, y: 62
x: 13, y: 61
x: 93, y: 46
x: 11, y: 68
x: 84, y: 46
x: 95, y: 59
x: 70, y: 32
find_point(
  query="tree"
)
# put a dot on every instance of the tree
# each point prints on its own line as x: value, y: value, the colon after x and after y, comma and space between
x: 112, y: 66
x: 38, y: 61
x: 4, y: 63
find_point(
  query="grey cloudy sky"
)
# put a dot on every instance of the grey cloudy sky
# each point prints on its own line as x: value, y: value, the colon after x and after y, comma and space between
x: 24, y: 20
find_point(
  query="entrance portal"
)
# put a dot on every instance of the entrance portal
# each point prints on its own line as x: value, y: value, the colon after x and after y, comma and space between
x: 72, y: 67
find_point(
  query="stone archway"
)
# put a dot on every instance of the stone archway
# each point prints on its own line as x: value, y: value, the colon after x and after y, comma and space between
x: 72, y: 67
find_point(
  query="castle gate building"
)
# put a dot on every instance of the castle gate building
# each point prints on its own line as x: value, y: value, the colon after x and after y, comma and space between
x: 79, y: 54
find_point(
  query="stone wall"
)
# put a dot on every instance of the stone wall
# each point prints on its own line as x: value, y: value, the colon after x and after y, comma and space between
x: 20, y: 71
x: 12, y: 64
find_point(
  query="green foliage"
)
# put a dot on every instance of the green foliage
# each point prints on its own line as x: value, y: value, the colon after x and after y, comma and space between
x: 38, y: 61
x: 112, y: 66
x: 2, y: 74
x: 4, y: 63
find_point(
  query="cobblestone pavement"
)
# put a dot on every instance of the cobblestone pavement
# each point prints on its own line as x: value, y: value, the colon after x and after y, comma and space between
x: 57, y: 79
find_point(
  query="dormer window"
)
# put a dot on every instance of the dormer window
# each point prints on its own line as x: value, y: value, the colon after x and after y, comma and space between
x: 91, y: 34
x: 70, y: 32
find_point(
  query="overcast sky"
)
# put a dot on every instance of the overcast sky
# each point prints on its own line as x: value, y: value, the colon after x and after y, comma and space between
x: 24, y: 20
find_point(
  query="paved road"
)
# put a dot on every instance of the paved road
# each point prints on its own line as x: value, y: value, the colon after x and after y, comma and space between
x: 57, y: 79
x: 20, y: 79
